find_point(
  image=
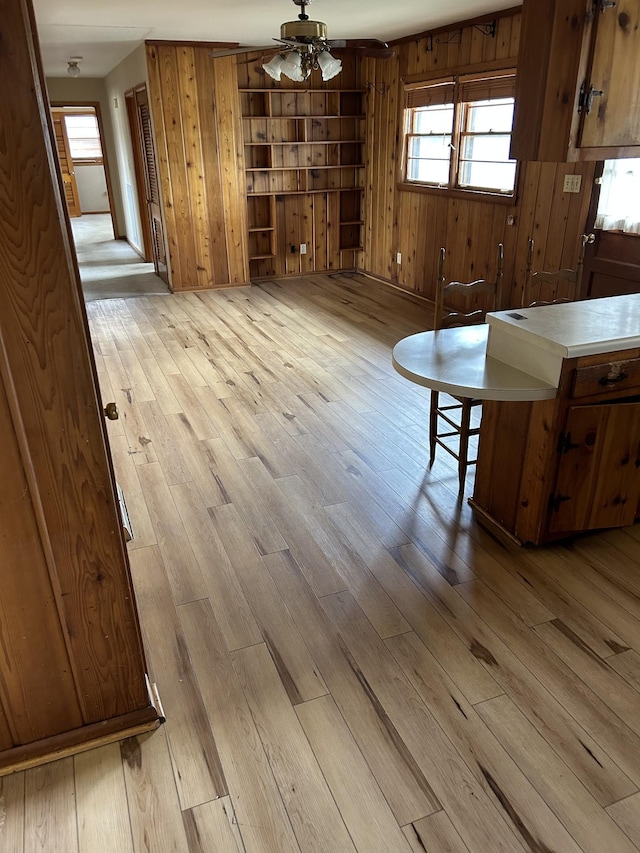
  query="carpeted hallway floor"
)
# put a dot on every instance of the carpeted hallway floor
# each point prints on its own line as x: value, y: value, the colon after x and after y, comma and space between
x: 110, y: 268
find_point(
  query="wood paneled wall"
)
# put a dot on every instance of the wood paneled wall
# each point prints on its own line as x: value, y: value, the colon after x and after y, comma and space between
x: 72, y: 661
x: 196, y: 117
x: 418, y: 224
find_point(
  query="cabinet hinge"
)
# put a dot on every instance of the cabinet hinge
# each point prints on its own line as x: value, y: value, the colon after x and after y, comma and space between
x: 565, y: 444
x: 606, y: 4
x: 586, y: 96
x: 556, y: 500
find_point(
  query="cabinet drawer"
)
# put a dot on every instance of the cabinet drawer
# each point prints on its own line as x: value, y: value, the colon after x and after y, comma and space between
x: 614, y: 376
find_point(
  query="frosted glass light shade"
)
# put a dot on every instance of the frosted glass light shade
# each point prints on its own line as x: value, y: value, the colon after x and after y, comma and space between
x: 73, y: 69
x: 292, y: 67
x: 329, y: 66
x: 274, y: 66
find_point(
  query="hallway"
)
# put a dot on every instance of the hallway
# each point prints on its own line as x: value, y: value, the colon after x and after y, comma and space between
x: 109, y: 268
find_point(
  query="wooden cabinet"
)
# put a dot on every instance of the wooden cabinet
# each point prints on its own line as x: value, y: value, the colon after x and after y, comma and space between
x: 552, y: 468
x: 73, y: 666
x: 302, y: 142
x: 578, y: 81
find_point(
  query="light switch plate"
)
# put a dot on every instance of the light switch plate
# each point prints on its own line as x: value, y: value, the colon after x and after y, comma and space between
x: 572, y: 183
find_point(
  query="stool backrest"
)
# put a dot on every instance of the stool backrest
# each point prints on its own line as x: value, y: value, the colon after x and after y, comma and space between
x: 444, y: 289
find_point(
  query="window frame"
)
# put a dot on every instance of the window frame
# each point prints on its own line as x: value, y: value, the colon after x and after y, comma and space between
x: 85, y: 161
x: 416, y: 89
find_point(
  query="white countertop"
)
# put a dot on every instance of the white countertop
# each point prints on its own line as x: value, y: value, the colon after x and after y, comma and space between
x: 536, y: 340
x: 456, y: 361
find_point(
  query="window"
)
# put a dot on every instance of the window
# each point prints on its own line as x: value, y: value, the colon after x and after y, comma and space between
x: 619, y: 204
x: 84, y: 137
x: 458, y: 133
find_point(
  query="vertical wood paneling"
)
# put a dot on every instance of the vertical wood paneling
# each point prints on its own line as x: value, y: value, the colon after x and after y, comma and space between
x: 196, y: 117
x: 418, y: 224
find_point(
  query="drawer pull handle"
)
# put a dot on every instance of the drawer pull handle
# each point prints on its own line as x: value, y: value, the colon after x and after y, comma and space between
x: 611, y: 380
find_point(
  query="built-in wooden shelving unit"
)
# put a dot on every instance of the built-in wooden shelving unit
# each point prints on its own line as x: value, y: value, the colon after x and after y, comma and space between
x: 303, y: 142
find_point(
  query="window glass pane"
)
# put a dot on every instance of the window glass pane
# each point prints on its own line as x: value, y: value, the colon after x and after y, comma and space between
x: 434, y: 147
x: 428, y: 171
x: 488, y: 176
x: 486, y: 116
x: 437, y: 119
x: 486, y: 147
x: 84, y: 137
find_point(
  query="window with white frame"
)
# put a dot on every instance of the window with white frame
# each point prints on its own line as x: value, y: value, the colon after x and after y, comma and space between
x: 458, y: 133
x: 84, y: 137
x: 619, y: 203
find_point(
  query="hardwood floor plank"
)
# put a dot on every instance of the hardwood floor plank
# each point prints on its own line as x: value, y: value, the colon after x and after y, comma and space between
x: 195, y: 416
x: 194, y: 754
x: 480, y: 823
x: 436, y: 834
x: 101, y: 802
x: 405, y: 787
x: 50, y: 801
x: 213, y: 828
x: 627, y: 665
x: 161, y: 389
x: 127, y: 476
x: 233, y: 613
x: 589, y: 824
x: 297, y: 669
x: 367, y: 814
x: 167, y: 450
x: 256, y: 800
x: 626, y: 814
x: 465, y: 669
x: 314, y: 817
x: 322, y: 574
x: 154, y: 808
x: 180, y: 562
x: 361, y: 582
x: 241, y: 491
x: 12, y: 811
x: 483, y: 753
x: 605, y: 727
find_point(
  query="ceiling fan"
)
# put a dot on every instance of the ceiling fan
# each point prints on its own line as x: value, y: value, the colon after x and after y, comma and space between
x: 305, y: 47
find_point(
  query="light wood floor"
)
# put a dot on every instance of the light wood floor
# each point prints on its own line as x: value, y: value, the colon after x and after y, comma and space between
x: 346, y: 660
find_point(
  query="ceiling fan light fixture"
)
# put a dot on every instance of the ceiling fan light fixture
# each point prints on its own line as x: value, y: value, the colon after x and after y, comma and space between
x: 274, y: 66
x: 329, y: 65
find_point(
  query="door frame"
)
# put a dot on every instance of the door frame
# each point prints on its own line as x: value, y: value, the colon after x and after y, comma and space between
x: 105, y: 159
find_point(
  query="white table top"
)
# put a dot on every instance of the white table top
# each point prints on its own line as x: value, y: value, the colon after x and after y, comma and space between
x: 455, y: 361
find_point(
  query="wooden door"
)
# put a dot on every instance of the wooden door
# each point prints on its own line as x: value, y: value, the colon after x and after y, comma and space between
x: 73, y: 666
x: 598, y: 483
x: 66, y: 164
x: 152, y: 187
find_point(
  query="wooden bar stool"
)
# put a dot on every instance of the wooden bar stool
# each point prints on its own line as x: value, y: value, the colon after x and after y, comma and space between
x: 454, y: 419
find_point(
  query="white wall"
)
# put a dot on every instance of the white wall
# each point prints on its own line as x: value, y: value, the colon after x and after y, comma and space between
x: 92, y: 188
x: 85, y: 90
x: 129, y: 73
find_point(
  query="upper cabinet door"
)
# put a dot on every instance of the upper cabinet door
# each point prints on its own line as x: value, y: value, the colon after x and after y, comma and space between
x: 614, y: 117
x: 578, y: 81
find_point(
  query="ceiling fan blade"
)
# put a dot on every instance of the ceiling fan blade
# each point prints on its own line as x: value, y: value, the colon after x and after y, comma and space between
x: 233, y: 51
x: 362, y: 47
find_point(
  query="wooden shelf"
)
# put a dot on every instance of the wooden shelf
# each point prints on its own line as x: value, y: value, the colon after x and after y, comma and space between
x: 307, y: 142
x: 261, y: 257
x: 342, y: 116
x: 306, y: 192
x: 259, y: 228
x: 351, y: 248
x: 352, y: 222
x: 307, y: 91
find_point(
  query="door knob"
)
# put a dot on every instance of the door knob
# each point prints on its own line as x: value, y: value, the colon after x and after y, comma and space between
x: 111, y: 411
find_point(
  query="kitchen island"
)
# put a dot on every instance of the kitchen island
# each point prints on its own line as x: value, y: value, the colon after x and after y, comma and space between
x: 548, y: 468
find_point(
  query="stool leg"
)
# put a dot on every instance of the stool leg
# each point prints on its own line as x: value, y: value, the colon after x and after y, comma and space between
x: 463, y: 454
x: 433, y: 426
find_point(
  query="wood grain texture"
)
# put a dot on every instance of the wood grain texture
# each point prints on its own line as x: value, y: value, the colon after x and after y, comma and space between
x: 101, y: 802
x: 49, y: 817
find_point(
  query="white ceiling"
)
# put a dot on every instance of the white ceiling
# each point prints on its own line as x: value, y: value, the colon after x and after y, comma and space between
x: 104, y: 32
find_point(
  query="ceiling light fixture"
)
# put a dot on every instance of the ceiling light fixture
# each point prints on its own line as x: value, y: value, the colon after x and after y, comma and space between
x: 73, y: 69
x: 305, y: 49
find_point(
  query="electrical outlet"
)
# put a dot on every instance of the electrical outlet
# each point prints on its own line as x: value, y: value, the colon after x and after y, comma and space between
x: 303, y: 248
x: 399, y: 258
x: 572, y: 183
